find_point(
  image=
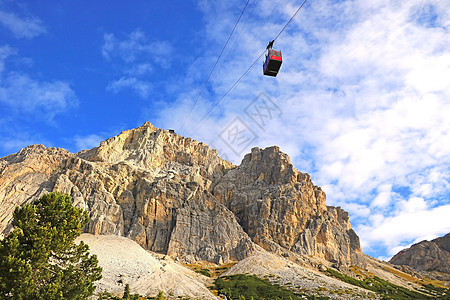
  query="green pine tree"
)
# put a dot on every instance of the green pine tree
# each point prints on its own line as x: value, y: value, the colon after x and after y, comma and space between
x: 160, y: 296
x: 39, y: 258
x: 126, y: 292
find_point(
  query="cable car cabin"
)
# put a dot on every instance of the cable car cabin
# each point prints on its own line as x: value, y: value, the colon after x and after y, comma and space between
x: 273, y: 63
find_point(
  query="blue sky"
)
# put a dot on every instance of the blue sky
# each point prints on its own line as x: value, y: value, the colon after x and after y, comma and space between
x: 361, y: 102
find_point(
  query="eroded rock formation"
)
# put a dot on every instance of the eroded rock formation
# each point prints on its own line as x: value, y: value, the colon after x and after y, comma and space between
x: 175, y: 195
x: 281, y: 209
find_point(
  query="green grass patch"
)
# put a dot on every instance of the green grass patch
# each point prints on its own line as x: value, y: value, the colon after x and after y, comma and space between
x: 204, y: 272
x: 248, y: 287
x: 437, y: 292
x: 389, y: 290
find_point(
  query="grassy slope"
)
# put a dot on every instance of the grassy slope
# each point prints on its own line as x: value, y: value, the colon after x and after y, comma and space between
x: 391, y: 291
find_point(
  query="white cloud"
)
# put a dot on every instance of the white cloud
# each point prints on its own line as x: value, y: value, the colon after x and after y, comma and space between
x: 87, y: 142
x: 26, y: 95
x: 139, y: 69
x: 22, y: 27
x: 15, y: 138
x: 384, y: 196
x: 11, y: 145
x: 5, y: 52
x: 136, y: 47
x: 142, y: 88
x: 357, y: 210
x: 397, y: 131
x: 395, y: 250
x: 417, y: 222
x: 137, y: 57
x: 412, y: 205
x: 364, y: 93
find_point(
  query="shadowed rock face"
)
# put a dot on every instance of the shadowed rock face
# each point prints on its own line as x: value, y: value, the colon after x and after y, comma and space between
x: 426, y: 256
x: 175, y: 195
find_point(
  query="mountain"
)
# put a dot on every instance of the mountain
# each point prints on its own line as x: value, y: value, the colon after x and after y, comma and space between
x: 428, y: 256
x: 175, y: 197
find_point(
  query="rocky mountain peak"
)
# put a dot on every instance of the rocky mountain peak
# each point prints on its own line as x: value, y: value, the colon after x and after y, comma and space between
x: 176, y: 196
x: 160, y: 152
x: 431, y: 255
x: 149, y: 147
x: 443, y: 242
x: 148, y: 125
x: 269, y: 165
x: 283, y: 211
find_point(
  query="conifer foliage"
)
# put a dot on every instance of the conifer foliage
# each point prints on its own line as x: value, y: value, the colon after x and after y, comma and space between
x: 39, y: 258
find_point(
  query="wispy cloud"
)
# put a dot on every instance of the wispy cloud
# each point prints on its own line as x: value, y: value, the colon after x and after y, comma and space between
x: 25, y: 95
x: 139, y: 69
x: 22, y: 27
x: 136, y: 47
x: 142, y: 88
x: 137, y: 56
x: 14, y: 144
x: 28, y: 99
x: 87, y: 142
x: 5, y: 52
x: 14, y: 137
x: 364, y: 94
x: 414, y: 221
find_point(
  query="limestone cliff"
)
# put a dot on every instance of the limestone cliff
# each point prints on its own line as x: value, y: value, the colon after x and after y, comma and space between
x: 281, y: 209
x: 175, y: 195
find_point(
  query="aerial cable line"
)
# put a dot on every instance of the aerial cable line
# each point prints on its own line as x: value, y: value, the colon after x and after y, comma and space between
x: 229, y: 90
x: 293, y: 16
x: 246, y: 21
x: 248, y: 69
x: 273, y: 10
x: 218, y: 58
x: 242, y: 29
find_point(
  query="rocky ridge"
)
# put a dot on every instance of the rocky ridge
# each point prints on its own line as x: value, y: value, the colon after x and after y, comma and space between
x: 430, y: 256
x: 176, y: 196
x: 282, y: 210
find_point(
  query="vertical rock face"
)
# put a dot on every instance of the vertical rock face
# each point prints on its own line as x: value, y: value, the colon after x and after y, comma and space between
x: 329, y: 236
x: 175, y: 195
x: 146, y: 184
x: 281, y: 209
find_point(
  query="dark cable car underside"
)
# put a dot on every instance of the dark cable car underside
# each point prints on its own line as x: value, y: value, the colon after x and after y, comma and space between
x: 273, y: 61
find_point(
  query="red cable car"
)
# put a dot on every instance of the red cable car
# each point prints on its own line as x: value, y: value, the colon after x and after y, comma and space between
x: 273, y: 63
